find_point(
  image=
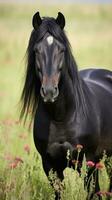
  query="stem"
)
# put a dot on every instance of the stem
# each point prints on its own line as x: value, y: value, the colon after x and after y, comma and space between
x: 9, y: 184
x: 77, y: 160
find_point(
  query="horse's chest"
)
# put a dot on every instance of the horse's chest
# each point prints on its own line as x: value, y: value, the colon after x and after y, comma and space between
x: 62, y: 133
x: 74, y: 134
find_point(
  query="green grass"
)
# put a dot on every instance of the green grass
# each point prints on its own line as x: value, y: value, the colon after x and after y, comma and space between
x: 89, y: 28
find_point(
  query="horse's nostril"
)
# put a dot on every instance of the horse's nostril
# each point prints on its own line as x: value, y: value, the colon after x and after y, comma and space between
x: 56, y: 91
x: 56, y: 88
x: 43, y: 92
x: 60, y: 142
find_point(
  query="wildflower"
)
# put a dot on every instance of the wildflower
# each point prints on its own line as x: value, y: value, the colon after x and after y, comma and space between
x: 100, y: 193
x: 16, y: 161
x: 108, y: 193
x: 99, y: 165
x: 8, y: 122
x: 75, y: 161
x: 90, y: 164
x: 8, y: 157
x: 13, y: 165
x: 27, y: 148
x: 2, y: 94
x: 79, y: 147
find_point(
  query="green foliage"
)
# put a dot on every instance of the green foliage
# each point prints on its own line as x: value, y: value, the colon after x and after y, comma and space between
x: 73, y: 186
x: 104, y: 181
x: 76, y: 186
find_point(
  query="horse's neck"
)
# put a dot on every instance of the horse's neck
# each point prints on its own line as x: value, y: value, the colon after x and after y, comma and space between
x: 64, y: 107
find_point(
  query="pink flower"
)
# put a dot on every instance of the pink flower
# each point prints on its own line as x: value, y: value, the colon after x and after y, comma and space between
x: 8, y: 157
x: 79, y: 147
x: 99, y: 165
x: 13, y: 165
x: 27, y: 148
x: 100, y: 193
x: 16, y: 161
x: 90, y: 164
x: 8, y: 122
x: 108, y: 193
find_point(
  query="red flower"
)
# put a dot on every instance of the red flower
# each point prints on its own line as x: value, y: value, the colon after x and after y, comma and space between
x: 90, y: 164
x: 16, y: 161
x: 27, y: 148
x: 99, y: 165
x: 13, y: 165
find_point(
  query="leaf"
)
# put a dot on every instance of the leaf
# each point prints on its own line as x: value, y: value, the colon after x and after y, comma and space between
x: 104, y: 181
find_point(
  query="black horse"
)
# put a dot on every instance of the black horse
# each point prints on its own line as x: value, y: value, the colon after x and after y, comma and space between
x: 69, y: 107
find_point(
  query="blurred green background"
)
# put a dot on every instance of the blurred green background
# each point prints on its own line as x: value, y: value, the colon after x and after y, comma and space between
x: 89, y: 29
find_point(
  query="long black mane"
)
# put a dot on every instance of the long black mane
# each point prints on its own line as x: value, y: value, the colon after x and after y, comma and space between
x: 31, y: 90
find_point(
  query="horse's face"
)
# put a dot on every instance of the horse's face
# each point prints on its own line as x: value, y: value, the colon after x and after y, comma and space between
x: 49, y: 60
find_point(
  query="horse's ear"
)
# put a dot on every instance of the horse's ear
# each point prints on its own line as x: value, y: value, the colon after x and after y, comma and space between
x: 60, y: 20
x: 36, y: 21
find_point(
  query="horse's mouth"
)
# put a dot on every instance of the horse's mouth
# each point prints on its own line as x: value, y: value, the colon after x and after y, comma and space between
x: 48, y: 101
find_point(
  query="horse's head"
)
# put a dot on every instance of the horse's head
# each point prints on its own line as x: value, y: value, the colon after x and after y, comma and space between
x: 51, y: 67
x: 49, y: 58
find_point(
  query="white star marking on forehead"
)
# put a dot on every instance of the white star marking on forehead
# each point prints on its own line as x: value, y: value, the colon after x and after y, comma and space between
x: 50, y: 40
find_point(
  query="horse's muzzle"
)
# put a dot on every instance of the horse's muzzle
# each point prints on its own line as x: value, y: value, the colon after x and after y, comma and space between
x: 49, y: 94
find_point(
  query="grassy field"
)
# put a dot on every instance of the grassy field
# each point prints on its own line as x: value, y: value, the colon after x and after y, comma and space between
x: 89, y: 28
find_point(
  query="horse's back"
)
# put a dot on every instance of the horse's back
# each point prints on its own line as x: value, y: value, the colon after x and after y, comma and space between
x: 98, y: 77
x: 92, y: 73
x: 99, y: 83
